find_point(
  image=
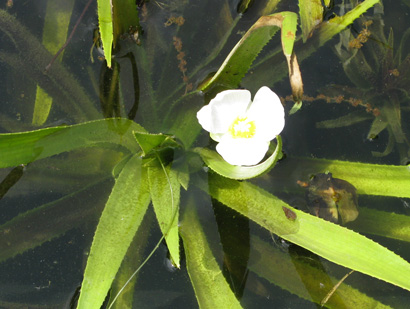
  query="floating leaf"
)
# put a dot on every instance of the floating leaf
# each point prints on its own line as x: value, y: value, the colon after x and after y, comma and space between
x: 148, y: 141
x: 118, y: 224
x: 239, y: 60
x: 331, y: 241
x: 106, y: 28
x: 311, y: 15
x: 165, y: 190
x: 382, y: 223
x: 369, y: 179
x: 25, y: 147
x: 322, y: 35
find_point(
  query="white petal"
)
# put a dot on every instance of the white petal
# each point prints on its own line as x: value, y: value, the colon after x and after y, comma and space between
x: 223, y: 109
x: 268, y: 113
x: 217, y: 136
x: 242, y: 151
x: 204, y: 116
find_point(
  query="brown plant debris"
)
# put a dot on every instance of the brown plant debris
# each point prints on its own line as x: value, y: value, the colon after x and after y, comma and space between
x: 363, y: 36
x: 182, y: 62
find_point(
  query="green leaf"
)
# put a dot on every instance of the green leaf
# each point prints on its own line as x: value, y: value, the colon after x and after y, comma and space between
x: 288, y: 33
x: 165, y: 191
x: 118, y: 224
x: 106, y: 28
x: 331, y: 241
x: 215, y: 162
x: 292, y: 270
x: 148, y: 141
x: 311, y: 14
x: 345, y: 120
x: 123, y: 288
x: 125, y: 18
x: 25, y: 147
x: 254, y: 203
x: 369, y: 179
x: 30, y: 61
x: 32, y: 228
x: 57, y: 20
x: 323, y: 34
x: 239, y: 60
x: 382, y: 223
x: 210, y: 286
x: 181, y: 118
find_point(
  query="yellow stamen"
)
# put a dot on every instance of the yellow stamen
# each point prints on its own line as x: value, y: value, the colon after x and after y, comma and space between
x: 242, y: 128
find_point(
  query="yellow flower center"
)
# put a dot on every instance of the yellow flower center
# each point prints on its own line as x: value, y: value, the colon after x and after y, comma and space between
x: 242, y: 128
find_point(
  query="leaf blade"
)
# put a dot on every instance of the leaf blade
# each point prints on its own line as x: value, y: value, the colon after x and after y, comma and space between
x: 165, y: 192
x: 25, y: 147
x: 118, y: 224
x: 331, y: 241
x: 106, y: 28
x: 211, y: 288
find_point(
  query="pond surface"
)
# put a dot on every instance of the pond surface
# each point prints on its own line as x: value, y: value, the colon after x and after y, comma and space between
x: 181, y: 43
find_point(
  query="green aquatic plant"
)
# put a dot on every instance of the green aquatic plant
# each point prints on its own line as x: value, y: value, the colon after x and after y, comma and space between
x: 379, y: 69
x: 160, y: 161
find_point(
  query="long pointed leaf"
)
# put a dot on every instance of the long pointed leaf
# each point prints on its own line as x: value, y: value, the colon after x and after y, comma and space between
x: 331, y: 241
x: 245, y: 51
x: 211, y: 288
x: 288, y: 277
x: 106, y: 27
x: 118, y: 224
x: 311, y: 14
x: 25, y: 147
x: 57, y: 20
x: 165, y: 190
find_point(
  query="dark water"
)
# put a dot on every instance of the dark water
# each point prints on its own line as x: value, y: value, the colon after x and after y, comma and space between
x: 47, y: 275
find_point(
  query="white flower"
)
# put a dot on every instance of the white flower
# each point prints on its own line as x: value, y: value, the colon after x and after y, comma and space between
x: 242, y: 128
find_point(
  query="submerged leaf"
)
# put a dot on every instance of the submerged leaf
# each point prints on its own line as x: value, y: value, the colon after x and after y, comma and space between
x: 344, y: 121
x: 30, y: 58
x: 57, y: 20
x: 288, y: 276
x: 125, y: 19
x: 33, y: 228
x: 210, y: 286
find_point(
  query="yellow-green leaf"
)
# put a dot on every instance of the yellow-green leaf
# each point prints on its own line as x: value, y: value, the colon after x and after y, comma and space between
x: 106, y: 28
x: 57, y: 20
x: 211, y: 288
x: 118, y: 224
x: 311, y: 15
x: 165, y: 189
